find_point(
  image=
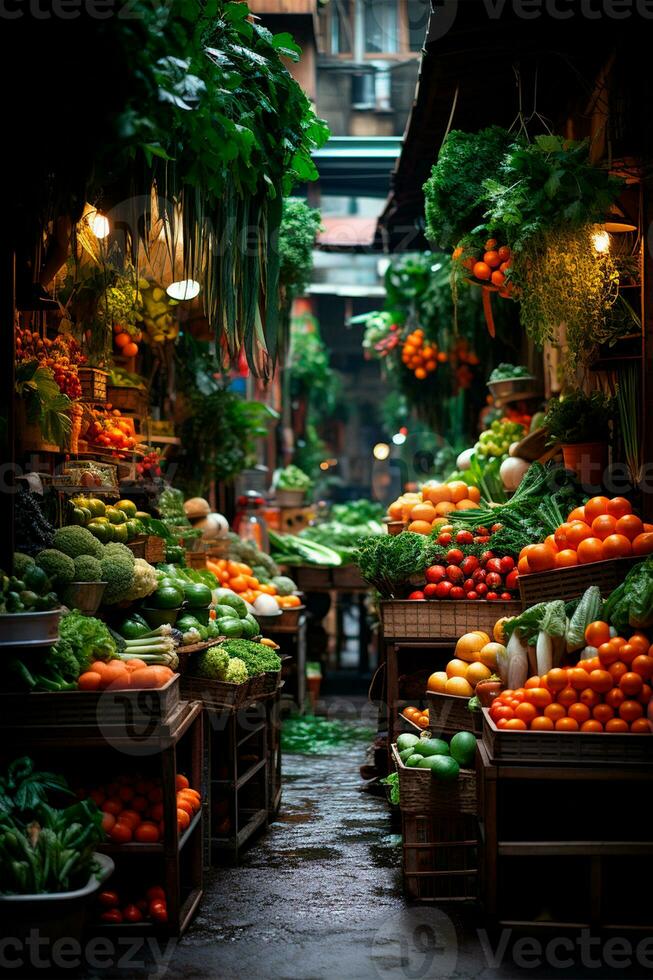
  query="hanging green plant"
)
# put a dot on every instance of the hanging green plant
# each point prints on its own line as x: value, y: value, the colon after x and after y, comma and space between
x: 300, y: 224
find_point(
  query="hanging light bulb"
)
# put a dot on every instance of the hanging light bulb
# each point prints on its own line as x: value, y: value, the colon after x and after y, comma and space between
x: 601, y: 241
x: 381, y: 450
x: 183, y: 289
x: 99, y: 224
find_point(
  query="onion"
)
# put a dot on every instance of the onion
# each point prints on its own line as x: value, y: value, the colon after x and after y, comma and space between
x: 513, y: 449
x: 464, y: 460
x: 512, y: 472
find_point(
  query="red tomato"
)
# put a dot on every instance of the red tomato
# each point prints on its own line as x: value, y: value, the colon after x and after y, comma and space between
x: 132, y: 913
x: 416, y: 596
x: 464, y: 537
x: 454, y: 557
x: 431, y: 591
x: 455, y: 574
x: 159, y: 911
x: 457, y: 592
x: 111, y: 915
x: 155, y: 892
x: 443, y: 589
x: 470, y: 565
x: 108, y: 899
x: 498, y: 711
x: 436, y: 573
x: 507, y: 565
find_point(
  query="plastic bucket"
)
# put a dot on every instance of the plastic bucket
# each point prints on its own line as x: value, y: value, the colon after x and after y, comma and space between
x: 54, y: 916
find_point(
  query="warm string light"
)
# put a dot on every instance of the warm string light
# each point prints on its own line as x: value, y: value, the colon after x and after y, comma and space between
x: 381, y: 450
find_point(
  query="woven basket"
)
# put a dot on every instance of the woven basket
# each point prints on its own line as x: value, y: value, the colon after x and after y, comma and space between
x: 441, y: 619
x: 216, y: 694
x: 569, y: 583
x: 449, y: 713
x: 94, y: 384
x: 420, y: 792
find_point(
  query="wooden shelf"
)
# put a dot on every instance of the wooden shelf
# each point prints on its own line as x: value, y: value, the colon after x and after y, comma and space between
x: 561, y: 848
x: 255, y: 820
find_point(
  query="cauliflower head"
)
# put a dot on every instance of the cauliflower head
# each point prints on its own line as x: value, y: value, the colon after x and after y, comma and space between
x: 118, y: 573
x: 212, y: 663
x: 236, y: 671
x: 58, y: 567
x: 87, y: 569
x: 75, y: 541
x: 145, y: 580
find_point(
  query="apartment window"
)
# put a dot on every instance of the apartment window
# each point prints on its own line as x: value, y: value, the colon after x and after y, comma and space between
x: 341, y: 27
x: 381, y: 26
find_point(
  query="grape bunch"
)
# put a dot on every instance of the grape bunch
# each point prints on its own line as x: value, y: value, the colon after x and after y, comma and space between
x: 61, y: 355
x: 497, y: 440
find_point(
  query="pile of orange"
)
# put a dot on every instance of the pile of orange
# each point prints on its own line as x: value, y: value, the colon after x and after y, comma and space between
x: 238, y: 577
x: 604, y: 528
x: 491, y: 267
x: 610, y: 692
x: 429, y: 508
x: 418, y: 717
x: 421, y: 356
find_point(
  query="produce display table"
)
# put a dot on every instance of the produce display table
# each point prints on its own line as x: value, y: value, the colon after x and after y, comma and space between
x: 174, y: 745
x: 337, y: 582
x: 292, y: 641
x: 565, y: 826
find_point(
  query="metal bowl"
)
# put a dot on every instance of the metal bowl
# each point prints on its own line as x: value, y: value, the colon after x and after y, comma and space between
x: 30, y: 628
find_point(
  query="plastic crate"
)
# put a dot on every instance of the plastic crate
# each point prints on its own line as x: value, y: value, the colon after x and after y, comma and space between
x: 571, y: 747
x: 449, y: 713
x: 441, y: 619
x: 570, y: 583
x: 440, y: 857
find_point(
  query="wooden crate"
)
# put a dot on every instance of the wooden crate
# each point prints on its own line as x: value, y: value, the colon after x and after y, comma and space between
x: 564, y: 747
x: 309, y: 577
x: 94, y: 385
x: 448, y: 713
x: 126, y: 399
x: 348, y: 577
x: 570, y: 583
x: 438, y: 618
x: 440, y: 857
x: 421, y: 792
x: 131, y: 710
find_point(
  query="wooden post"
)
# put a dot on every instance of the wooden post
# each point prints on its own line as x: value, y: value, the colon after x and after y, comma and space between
x: 7, y: 384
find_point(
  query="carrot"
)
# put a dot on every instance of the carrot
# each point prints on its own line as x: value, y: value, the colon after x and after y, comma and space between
x: 89, y: 681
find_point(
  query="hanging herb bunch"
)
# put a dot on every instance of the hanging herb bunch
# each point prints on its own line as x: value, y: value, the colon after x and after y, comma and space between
x: 542, y: 203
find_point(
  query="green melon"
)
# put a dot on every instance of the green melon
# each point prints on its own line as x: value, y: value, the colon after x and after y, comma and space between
x: 406, y: 741
x: 433, y: 746
x: 463, y: 748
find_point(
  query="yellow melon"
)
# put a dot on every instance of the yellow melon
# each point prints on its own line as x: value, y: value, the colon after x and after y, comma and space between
x: 457, y: 668
x: 488, y: 655
x: 470, y: 644
x: 459, y: 686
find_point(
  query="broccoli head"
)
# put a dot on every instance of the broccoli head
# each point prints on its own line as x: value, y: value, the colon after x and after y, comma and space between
x: 118, y: 573
x: 75, y: 541
x: 236, y: 671
x: 212, y: 663
x: 59, y: 568
x: 116, y: 548
x: 87, y: 569
x: 21, y: 563
x: 257, y: 657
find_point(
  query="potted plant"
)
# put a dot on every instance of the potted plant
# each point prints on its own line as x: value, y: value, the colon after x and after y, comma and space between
x: 580, y: 424
x: 291, y: 485
x: 48, y: 866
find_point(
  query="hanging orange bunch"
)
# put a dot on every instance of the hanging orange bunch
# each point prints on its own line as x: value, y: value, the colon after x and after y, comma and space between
x: 421, y: 356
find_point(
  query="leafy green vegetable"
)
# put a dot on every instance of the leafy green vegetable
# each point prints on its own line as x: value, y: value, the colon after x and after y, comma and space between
x: 587, y: 611
x: 508, y: 372
x: 88, y: 637
x: 388, y: 561
x: 289, y: 549
x: 392, y: 782
x: 579, y: 417
x: 292, y: 478
x: 315, y: 735
x: 257, y: 657
x: 631, y: 603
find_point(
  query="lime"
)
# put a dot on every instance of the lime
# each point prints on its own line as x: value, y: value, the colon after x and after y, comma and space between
x: 463, y: 748
x: 128, y: 507
x: 407, y: 741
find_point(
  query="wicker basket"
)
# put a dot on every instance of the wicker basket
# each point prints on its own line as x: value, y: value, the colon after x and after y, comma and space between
x: 94, y: 384
x: 441, y: 619
x: 562, y: 747
x: 420, y: 792
x: 134, y: 710
x: 216, y: 694
x: 440, y: 857
x: 569, y: 583
x: 448, y: 713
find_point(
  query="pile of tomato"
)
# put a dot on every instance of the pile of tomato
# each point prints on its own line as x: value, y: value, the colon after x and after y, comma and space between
x: 610, y: 692
x: 460, y: 576
x: 116, y: 909
x: 604, y: 528
x: 112, y: 431
x: 491, y: 267
x: 132, y: 808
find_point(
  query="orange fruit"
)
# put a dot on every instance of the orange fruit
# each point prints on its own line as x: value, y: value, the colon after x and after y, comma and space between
x: 615, y: 697
x: 630, y: 526
x: 541, y: 558
x: 515, y: 724
x: 567, y: 725
x: 577, y: 514
x: 631, y: 711
x: 469, y: 646
x: 597, y: 633
x: 444, y: 508
x: 643, y: 543
x: 609, y: 653
x: 437, y: 682
x: 477, y: 672
x: 590, y: 550
x: 579, y: 712
x: 556, y: 679
x: 566, y: 558
x: 474, y: 494
x: 539, y: 696
x: 603, y: 713
x: 560, y: 536
x: 591, y: 725
x: 601, y: 681
x: 645, y: 694
x: 458, y: 490
x: 459, y: 686
x: 542, y: 724
x: 481, y: 270
x: 423, y: 512
x: 617, y: 546
x: 589, y: 697
x: 526, y: 712
x: 551, y: 542
x: 420, y: 373
x: 577, y: 678
x: 631, y: 683
x: 567, y: 696
x: 619, y: 507
x: 643, y: 665
x: 640, y: 642
x: 457, y: 668
x: 641, y: 726
x: 422, y: 721
x: 595, y: 507
x: 523, y: 567
x: 555, y: 711
x: 122, y: 339
x: 617, y: 671
x: 616, y: 725
x: 498, y: 278
x: 628, y: 652
x: 604, y: 526
x: 467, y: 505
x: 417, y: 527
x: 577, y: 532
